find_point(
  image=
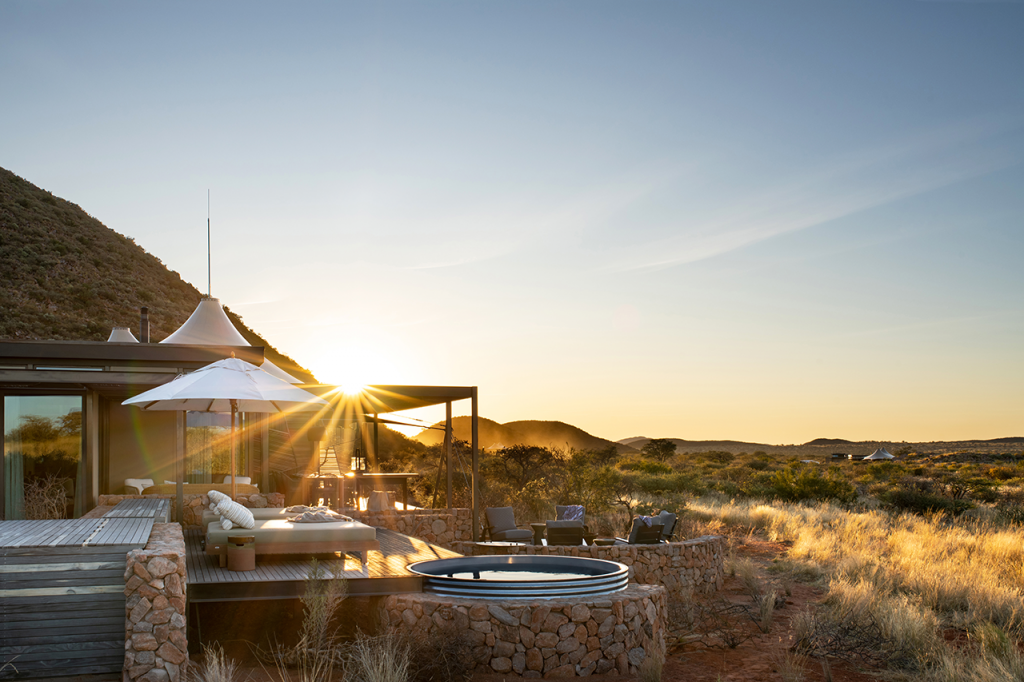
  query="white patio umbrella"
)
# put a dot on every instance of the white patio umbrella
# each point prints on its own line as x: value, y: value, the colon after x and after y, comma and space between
x: 229, y: 385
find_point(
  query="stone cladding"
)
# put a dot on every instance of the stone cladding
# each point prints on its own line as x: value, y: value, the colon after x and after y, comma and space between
x: 696, y: 565
x: 195, y: 505
x: 438, y: 526
x: 156, y: 648
x: 564, y: 637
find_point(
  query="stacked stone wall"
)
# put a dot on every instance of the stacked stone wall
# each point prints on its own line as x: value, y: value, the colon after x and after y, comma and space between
x: 565, y: 637
x: 194, y: 505
x: 156, y: 645
x: 438, y: 526
x: 696, y: 565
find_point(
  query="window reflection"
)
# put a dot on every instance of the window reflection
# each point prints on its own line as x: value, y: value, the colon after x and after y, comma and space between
x: 44, y: 470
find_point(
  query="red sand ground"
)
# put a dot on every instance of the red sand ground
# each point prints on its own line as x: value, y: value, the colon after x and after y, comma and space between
x: 751, y: 661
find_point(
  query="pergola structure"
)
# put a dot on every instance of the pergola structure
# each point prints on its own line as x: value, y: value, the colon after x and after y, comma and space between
x: 372, y: 401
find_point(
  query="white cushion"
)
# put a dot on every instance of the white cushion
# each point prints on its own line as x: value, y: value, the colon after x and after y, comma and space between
x: 240, y: 480
x: 138, y: 484
x: 235, y: 513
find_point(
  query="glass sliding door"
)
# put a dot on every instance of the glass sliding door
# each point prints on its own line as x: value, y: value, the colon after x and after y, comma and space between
x: 208, y: 446
x: 44, y: 467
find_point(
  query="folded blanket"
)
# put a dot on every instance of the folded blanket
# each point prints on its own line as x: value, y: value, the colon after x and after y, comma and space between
x: 646, y: 520
x: 299, y: 508
x: 572, y: 512
x: 319, y: 517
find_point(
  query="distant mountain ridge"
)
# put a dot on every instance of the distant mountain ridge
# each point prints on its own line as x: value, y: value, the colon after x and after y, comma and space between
x: 66, y: 276
x: 549, y: 434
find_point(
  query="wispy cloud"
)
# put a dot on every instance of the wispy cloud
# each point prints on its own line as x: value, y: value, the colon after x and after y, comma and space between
x: 841, y: 187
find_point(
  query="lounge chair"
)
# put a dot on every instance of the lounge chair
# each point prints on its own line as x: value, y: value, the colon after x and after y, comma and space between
x: 564, y: 532
x: 668, y: 520
x: 642, y: 534
x: 501, y: 526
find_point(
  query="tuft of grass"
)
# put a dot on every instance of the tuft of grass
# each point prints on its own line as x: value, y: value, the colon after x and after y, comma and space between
x: 383, y: 658
x: 216, y: 666
x: 766, y: 610
x: 650, y: 669
x: 792, y: 667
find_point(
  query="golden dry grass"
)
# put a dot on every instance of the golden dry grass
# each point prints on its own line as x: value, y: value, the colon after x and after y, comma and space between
x: 914, y: 576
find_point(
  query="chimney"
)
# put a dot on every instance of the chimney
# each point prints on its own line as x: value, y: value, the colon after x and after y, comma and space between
x: 144, y: 325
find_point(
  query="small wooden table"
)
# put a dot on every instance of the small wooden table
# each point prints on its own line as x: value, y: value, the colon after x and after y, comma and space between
x: 538, y: 532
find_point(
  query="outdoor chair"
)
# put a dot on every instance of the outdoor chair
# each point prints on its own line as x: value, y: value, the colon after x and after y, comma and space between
x: 642, y: 534
x: 571, y: 512
x: 669, y: 527
x: 564, y: 532
x: 501, y: 526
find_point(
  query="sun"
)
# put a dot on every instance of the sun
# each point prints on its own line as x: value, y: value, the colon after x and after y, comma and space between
x: 353, y: 368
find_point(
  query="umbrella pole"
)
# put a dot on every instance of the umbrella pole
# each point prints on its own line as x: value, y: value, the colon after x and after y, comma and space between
x: 234, y: 410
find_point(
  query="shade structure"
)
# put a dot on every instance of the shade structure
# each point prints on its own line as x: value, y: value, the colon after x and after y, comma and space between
x: 229, y: 385
x: 207, y: 326
x: 271, y: 368
x: 881, y: 453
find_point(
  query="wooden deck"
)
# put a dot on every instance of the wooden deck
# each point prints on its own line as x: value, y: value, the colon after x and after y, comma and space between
x: 282, y: 577
x: 62, y: 605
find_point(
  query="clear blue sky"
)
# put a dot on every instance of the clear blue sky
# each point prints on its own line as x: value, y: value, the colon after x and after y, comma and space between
x: 768, y: 221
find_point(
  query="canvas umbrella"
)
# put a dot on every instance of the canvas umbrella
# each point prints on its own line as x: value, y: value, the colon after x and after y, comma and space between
x: 229, y: 385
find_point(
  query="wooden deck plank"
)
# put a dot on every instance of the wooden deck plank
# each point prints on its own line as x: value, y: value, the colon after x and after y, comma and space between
x: 283, y: 577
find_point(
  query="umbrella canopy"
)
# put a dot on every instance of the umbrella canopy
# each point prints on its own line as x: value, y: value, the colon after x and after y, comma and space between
x: 229, y: 385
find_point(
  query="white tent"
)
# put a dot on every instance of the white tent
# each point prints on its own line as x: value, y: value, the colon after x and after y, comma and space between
x: 880, y: 453
x: 209, y: 326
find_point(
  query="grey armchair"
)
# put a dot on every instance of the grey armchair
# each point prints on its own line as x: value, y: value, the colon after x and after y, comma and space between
x: 501, y: 525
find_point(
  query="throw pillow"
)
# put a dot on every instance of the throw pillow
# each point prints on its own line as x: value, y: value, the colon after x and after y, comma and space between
x: 236, y: 514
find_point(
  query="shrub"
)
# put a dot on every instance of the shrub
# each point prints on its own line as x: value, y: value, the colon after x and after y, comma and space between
x: 921, y: 502
x: 797, y: 485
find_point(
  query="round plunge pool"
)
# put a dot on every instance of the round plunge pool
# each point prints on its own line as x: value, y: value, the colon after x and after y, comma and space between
x: 521, y: 576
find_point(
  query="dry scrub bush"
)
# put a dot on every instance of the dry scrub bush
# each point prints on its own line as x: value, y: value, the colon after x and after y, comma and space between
x: 791, y: 666
x: 766, y: 610
x: 216, y: 666
x: 384, y: 658
x: 445, y: 655
x: 45, y: 498
x: 318, y: 650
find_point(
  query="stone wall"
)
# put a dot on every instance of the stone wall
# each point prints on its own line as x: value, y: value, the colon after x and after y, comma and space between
x: 437, y: 526
x: 195, y: 505
x: 564, y: 637
x: 696, y: 565
x: 156, y: 646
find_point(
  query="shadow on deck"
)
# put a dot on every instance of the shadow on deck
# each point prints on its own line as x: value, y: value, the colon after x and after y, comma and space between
x: 283, y: 577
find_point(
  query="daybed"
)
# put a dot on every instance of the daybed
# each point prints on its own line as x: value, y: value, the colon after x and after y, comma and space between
x: 258, y: 514
x: 280, y: 536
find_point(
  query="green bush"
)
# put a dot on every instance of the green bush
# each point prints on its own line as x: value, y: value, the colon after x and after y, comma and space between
x: 921, y: 502
x: 797, y: 485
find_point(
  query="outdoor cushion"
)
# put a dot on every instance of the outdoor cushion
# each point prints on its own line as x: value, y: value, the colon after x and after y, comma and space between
x: 284, y: 531
x: 240, y: 479
x: 668, y: 520
x: 137, y: 484
x: 500, y: 518
x: 570, y: 512
x: 235, y: 513
x: 512, y: 535
x: 564, y: 524
x: 637, y: 534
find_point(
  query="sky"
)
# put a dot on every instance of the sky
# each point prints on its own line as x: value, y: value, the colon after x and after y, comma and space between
x: 763, y: 221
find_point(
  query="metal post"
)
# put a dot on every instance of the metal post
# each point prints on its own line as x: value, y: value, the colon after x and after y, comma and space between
x: 476, y: 467
x: 179, y: 470
x: 448, y: 449
x: 376, y: 426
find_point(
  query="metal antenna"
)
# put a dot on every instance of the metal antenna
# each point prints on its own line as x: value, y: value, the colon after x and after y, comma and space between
x: 208, y: 295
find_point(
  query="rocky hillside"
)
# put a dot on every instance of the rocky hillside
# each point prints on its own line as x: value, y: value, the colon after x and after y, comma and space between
x: 543, y: 433
x: 66, y: 276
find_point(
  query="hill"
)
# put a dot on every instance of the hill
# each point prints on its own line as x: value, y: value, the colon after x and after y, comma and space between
x: 828, y: 441
x: 541, y: 433
x: 66, y: 276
